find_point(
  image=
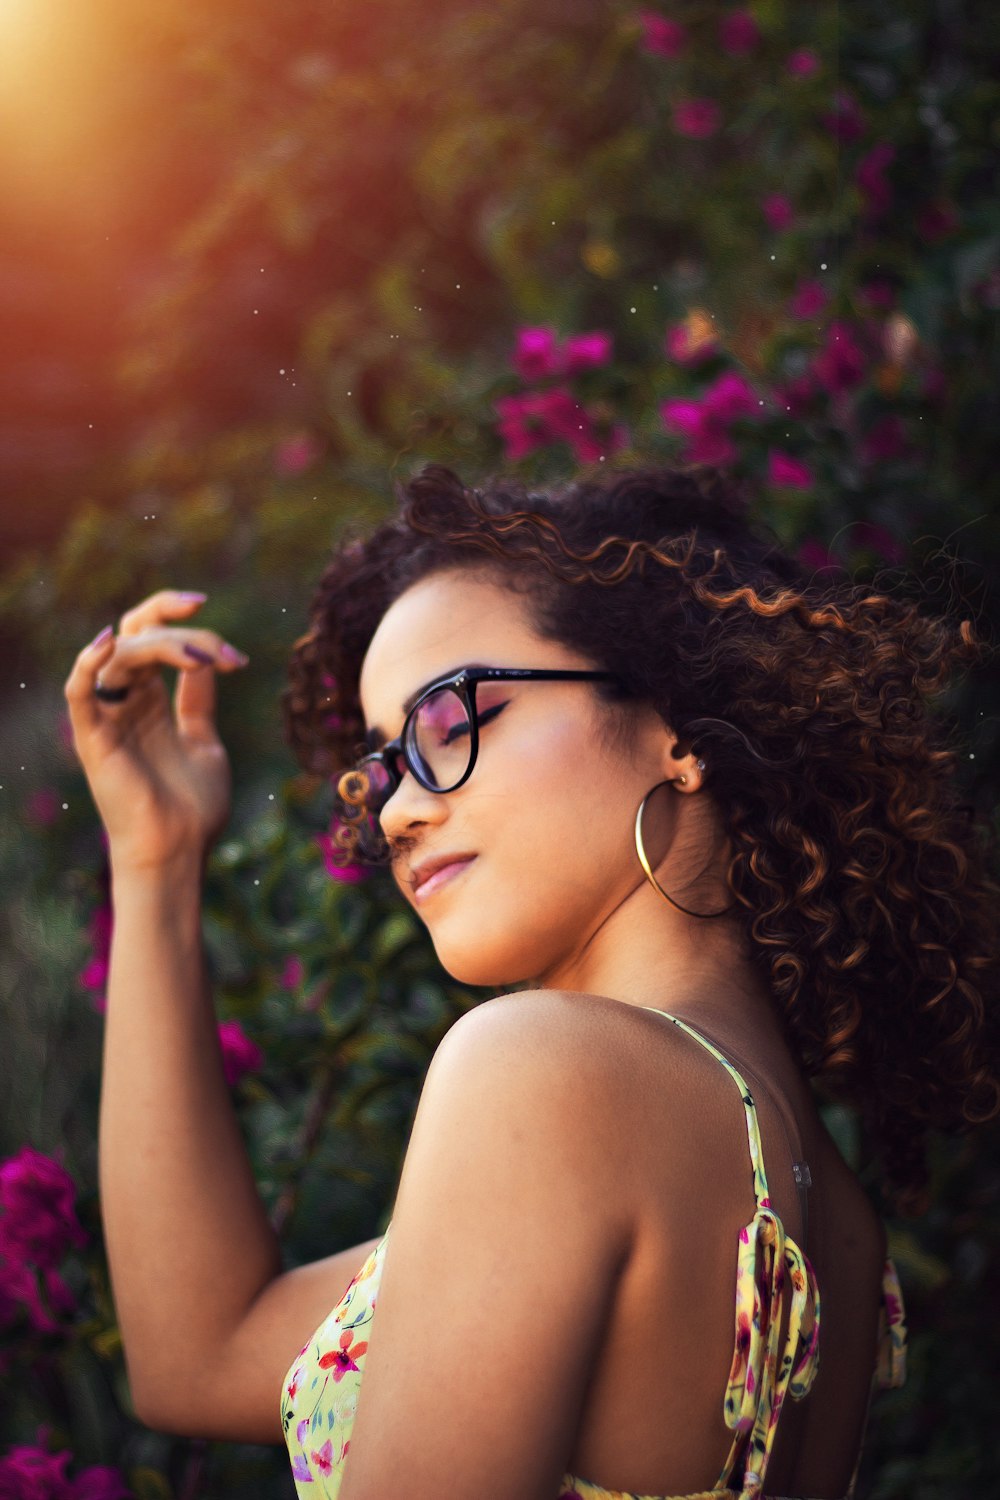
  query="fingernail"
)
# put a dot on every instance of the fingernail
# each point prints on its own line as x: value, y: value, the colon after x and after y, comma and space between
x: 190, y: 597
x: 198, y: 654
x: 230, y: 654
x: 101, y: 637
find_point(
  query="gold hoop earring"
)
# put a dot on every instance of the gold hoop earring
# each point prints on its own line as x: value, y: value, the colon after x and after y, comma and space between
x: 647, y: 869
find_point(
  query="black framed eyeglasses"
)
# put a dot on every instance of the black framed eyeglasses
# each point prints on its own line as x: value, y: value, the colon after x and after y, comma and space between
x: 439, y: 740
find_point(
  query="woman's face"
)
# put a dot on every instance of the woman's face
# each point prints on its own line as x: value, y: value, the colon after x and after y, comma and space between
x: 548, y: 811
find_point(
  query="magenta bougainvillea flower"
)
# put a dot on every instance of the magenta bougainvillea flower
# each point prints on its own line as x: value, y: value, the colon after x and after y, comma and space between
x: 662, y: 36
x: 42, y: 806
x: 808, y: 299
x: 37, y: 1198
x: 32, y: 1473
x: 789, y: 472
x: 840, y: 364
x: 816, y: 554
x: 936, y: 221
x: 296, y: 455
x: 681, y: 345
x: 738, y: 33
x: 705, y: 422
x: 886, y: 439
x: 94, y: 975
x: 777, y: 210
x: 877, y: 294
x: 38, y: 1226
x: 697, y: 118
x: 536, y: 418
x: 586, y: 351
x: 871, y: 180
x: 293, y: 973
x: 846, y: 119
x: 539, y: 356
x: 802, y: 63
x: 878, y: 539
x: 240, y: 1055
x: 347, y: 874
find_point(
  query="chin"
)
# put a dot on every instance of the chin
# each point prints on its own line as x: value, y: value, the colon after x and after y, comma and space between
x: 481, y: 967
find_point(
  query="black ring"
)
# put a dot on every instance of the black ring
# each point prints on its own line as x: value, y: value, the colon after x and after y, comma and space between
x: 110, y: 695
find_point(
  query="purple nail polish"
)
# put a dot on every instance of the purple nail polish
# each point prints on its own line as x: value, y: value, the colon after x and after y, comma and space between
x: 101, y: 637
x: 229, y: 653
x: 189, y: 597
x: 198, y: 654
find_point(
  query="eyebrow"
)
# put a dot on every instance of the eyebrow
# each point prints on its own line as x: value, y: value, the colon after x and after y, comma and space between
x: 375, y: 738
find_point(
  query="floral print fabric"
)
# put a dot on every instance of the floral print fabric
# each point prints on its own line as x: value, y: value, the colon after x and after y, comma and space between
x: 320, y: 1393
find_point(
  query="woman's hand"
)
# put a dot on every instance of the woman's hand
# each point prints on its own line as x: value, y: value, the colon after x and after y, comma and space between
x: 157, y: 771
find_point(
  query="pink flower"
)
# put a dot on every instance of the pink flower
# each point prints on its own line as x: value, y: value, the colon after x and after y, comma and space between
x: 815, y: 554
x: 661, y: 36
x: 347, y: 873
x: 845, y: 120
x: 880, y: 540
x: 798, y: 396
x: 778, y: 210
x: 532, y: 420
x: 707, y: 444
x: 295, y: 455
x: 705, y: 422
x: 870, y: 178
x: 94, y: 974
x: 783, y: 469
x: 697, y: 118
x: 32, y: 1474
x: 42, y: 806
x: 738, y: 32
x: 885, y: 439
x: 586, y: 351
x: 100, y: 1483
x: 936, y: 221
x: 841, y: 363
x: 293, y: 973
x: 808, y: 299
x: 684, y: 347
x: 802, y: 63
x: 37, y: 1197
x: 878, y: 294
x: 323, y: 1459
x: 536, y: 356
x: 730, y: 397
x: 239, y: 1054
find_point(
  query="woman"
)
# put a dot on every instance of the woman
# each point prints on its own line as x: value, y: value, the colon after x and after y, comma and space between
x: 687, y: 807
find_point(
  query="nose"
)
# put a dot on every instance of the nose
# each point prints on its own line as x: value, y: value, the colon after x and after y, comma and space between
x: 412, y: 805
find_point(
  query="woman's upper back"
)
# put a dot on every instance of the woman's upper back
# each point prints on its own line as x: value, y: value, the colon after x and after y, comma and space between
x: 645, y: 1429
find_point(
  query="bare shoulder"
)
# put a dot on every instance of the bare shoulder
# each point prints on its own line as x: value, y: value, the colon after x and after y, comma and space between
x: 562, y: 1038
x: 581, y: 1063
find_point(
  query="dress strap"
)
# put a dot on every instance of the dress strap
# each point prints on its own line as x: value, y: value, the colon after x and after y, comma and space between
x: 757, y: 1384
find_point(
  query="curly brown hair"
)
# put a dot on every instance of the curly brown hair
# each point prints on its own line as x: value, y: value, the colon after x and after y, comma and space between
x: 860, y: 879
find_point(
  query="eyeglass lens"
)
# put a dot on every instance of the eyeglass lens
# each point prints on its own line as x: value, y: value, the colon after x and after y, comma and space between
x: 438, y: 744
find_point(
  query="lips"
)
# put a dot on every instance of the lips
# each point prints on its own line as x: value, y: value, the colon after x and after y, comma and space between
x: 436, y: 872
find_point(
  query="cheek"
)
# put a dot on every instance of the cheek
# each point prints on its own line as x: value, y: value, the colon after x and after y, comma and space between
x: 554, y: 829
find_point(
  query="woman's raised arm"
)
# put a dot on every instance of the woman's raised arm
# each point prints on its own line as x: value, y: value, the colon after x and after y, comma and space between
x: 209, y: 1322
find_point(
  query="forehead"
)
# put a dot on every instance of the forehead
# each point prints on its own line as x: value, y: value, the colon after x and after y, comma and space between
x: 438, y: 625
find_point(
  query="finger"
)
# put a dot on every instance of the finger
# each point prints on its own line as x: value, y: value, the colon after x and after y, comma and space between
x: 186, y: 650
x: 156, y: 609
x: 84, y: 708
x: 194, y: 702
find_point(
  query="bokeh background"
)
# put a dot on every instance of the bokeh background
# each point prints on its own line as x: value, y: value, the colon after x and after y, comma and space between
x: 260, y: 262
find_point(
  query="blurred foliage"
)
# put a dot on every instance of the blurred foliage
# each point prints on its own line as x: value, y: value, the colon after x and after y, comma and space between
x: 393, y: 203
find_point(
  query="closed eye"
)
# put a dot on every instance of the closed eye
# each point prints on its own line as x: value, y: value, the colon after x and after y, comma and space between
x: 484, y: 716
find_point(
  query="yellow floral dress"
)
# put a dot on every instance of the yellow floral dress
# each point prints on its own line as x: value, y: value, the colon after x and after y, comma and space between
x: 320, y: 1394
